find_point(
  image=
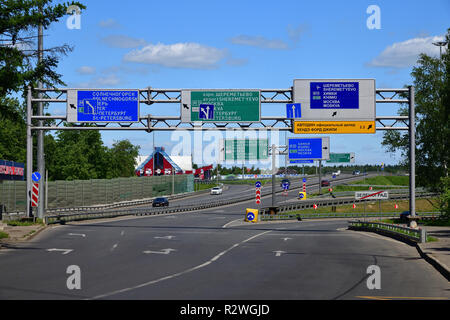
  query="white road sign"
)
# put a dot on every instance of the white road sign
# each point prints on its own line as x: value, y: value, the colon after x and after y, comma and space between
x: 372, y: 195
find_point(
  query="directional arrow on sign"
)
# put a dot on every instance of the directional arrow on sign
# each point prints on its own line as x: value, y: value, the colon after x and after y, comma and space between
x: 163, y: 251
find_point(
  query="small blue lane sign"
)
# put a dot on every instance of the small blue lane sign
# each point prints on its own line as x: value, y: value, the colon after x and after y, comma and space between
x: 258, y: 184
x: 206, y: 111
x: 36, y: 176
x: 300, y: 195
x: 286, y: 185
x: 250, y: 216
x: 293, y: 110
x: 304, y: 179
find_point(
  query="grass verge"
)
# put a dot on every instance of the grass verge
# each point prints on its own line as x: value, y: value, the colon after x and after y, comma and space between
x: 3, y: 235
x: 24, y: 223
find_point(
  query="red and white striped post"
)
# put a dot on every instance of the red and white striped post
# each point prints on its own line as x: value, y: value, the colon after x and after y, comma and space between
x: 35, y: 194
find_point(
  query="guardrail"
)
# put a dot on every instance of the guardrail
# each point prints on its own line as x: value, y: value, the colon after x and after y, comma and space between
x: 308, y: 204
x: 75, y: 214
x: 410, y: 234
x: 352, y: 193
x: 298, y: 216
x: 62, y: 216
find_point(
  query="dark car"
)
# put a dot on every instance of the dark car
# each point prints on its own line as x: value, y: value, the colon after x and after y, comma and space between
x: 325, y: 183
x: 356, y: 172
x: 160, y: 202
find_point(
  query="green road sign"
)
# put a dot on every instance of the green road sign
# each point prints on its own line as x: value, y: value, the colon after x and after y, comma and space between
x: 342, y: 157
x: 244, y: 149
x: 221, y: 105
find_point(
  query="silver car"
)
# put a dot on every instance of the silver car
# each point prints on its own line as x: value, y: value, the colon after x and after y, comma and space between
x: 216, y: 190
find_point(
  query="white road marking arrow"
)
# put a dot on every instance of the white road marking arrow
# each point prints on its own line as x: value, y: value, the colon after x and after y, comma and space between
x: 278, y: 253
x: 285, y: 239
x: 163, y: 251
x: 78, y: 234
x: 165, y: 237
x: 65, y: 251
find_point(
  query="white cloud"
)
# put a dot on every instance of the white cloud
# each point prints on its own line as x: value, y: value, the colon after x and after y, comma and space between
x: 178, y: 55
x: 259, y: 41
x: 405, y: 54
x: 86, y: 70
x: 101, y: 82
x: 122, y: 41
x: 109, y: 24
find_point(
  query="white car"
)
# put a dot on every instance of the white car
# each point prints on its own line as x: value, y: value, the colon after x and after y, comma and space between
x: 336, y: 173
x: 216, y: 190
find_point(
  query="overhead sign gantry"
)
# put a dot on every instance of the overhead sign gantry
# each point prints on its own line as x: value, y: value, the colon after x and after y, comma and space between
x: 332, y: 106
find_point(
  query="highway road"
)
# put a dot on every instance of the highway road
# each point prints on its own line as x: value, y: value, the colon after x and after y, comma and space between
x: 213, y: 254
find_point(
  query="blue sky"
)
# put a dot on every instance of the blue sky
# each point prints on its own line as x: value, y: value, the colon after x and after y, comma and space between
x: 247, y: 44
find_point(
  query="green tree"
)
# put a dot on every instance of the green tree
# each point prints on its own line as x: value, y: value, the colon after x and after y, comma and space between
x: 19, y: 20
x: 432, y: 104
x: 122, y: 159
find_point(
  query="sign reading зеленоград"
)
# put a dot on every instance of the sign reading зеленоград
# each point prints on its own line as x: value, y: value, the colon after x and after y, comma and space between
x: 102, y: 105
x: 221, y: 105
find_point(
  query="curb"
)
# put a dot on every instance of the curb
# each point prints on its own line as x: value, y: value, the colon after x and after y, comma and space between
x: 439, y: 266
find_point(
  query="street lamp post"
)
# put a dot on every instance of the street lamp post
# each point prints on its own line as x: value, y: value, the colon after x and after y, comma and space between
x: 440, y: 44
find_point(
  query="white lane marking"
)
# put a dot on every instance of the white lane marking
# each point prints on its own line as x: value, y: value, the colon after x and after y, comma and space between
x: 226, y: 225
x: 65, y: 251
x: 165, y: 237
x: 77, y: 234
x: 114, y: 246
x: 163, y: 251
x: 179, y: 273
x: 285, y: 239
x: 122, y: 233
x: 278, y: 253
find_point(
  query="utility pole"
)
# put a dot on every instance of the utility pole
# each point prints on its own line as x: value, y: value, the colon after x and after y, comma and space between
x: 320, y: 176
x: 273, y: 174
x: 40, y: 133
x: 412, y: 154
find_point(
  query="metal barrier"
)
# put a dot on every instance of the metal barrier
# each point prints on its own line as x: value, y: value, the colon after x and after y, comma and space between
x: 309, y: 204
x: 411, y: 234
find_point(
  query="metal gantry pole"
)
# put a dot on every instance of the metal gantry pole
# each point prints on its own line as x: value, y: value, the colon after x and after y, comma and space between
x: 412, y: 154
x: 273, y: 174
x: 29, y: 152
x: 40, y: 134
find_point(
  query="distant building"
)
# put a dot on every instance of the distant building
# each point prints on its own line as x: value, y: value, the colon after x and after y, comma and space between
x: 167, y: 165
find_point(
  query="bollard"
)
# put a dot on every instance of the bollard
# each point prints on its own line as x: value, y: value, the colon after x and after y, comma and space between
x: 423, y: 235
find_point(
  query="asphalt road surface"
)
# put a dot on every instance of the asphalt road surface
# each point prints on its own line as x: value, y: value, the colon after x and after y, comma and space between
x: 213, y: 254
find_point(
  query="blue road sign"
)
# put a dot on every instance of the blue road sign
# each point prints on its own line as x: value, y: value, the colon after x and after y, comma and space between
x: 108, y: 105
x: 304, y: 179
x: 301, y: 161
x: 258, y: 184
x: 286, y: 185
x: 36, y: 176
x: 305, y: 148
x: 250, y: 216
x: 334, y: 95
x: 301, y: 195
x: 206, y: 111
x: 334, y: 176
x: 293, y: 110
